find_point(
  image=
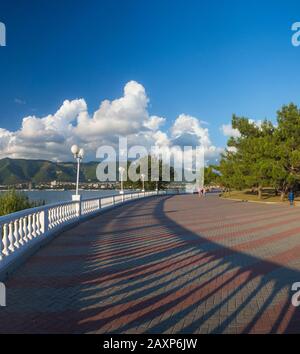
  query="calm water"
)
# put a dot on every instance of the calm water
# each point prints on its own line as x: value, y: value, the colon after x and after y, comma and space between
x: 62, y: 196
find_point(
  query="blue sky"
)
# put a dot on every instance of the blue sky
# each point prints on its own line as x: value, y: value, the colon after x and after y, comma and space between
x: 201, y: 58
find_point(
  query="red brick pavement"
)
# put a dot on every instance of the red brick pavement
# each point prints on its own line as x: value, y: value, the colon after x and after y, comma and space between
x: 173, y: 264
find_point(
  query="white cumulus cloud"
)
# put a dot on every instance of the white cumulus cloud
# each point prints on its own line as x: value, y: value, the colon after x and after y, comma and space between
x: 50, y: 137
x: 229, y: 131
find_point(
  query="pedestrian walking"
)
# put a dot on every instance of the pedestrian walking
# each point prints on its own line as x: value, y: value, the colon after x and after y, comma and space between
x: 291, y: 198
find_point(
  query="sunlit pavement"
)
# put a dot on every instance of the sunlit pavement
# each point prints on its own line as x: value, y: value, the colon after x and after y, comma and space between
x: 172, y: 264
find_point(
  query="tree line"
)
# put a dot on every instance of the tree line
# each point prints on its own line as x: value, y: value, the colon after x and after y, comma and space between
x: 263, y: 155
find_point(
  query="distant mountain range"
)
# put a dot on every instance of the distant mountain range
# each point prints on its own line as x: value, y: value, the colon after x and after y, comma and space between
x: 14, y: 171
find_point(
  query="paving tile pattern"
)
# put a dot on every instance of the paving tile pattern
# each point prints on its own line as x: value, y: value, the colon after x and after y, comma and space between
x: 170, y: 264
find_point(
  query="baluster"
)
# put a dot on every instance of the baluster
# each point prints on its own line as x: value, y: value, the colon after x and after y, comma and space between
x: 5, y: 249
x: 56, y: 216
x: 1, y: 242
x: 11, y: 237
x: 16, y: 233
x: 60, y: 215
x: 53, y: 217
x: 21, y: 240
x: 25, y: 231
x: 44, y: 221
x: 34, y: 225
x: 38, y: 224
x: 50, y: 218
x: 57, y: 211
x: 63, y: 213
x: 30, y: 227
x: 74, y: 210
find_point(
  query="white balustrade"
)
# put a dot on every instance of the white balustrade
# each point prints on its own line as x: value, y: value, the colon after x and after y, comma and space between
x: 21, y: 230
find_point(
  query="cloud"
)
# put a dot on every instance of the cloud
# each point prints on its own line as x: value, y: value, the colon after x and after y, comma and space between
x: 19, y: 101
x: 257, y: 123
x: 229, y: 131
x: 50, y: 137
x: 154, y: 122
x: 188, y: 130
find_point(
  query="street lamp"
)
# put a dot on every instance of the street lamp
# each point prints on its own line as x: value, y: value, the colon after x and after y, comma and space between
x: 121, y: 170
x: 143, y: 181
x: 78, y: 155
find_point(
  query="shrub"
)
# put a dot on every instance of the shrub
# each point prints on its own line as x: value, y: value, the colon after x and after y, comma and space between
x: 13, y: 201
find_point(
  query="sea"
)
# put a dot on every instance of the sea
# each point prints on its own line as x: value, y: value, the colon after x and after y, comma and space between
x: 56, y: 196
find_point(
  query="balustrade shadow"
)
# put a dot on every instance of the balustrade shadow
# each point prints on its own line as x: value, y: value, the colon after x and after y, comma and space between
x: 161, y: 277
x: 144, y: 292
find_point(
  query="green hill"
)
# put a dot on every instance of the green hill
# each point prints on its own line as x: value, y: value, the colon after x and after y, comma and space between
x: 21, y: 171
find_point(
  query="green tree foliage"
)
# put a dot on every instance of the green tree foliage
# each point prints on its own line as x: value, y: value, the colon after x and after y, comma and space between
x: 150, y: 185
x: 210, y: 175
x: 13, y: 201
x: 264, y: 155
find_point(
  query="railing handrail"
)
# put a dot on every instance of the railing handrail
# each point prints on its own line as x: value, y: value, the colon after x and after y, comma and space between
x: 19, y: 231
x: 45, y: 207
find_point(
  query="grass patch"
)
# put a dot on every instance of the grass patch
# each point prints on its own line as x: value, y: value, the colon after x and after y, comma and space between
x: 268, y: 195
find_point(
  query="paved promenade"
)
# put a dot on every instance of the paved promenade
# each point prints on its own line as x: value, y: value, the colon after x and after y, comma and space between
x: 171, y: 264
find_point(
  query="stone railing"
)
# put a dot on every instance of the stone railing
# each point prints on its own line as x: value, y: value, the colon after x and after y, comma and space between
x: 20, y: 231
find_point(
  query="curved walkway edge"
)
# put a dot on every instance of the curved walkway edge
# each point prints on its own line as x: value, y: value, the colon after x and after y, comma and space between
x: 174, y: 264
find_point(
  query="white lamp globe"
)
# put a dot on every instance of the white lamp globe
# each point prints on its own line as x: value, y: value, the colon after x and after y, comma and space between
x: 81, y: 152
x: 74, y: 149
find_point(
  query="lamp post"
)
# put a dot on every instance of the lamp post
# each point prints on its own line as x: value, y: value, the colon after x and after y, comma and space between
x: 78, y: 156
x: 121, y: 170
x: 143, y: 181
